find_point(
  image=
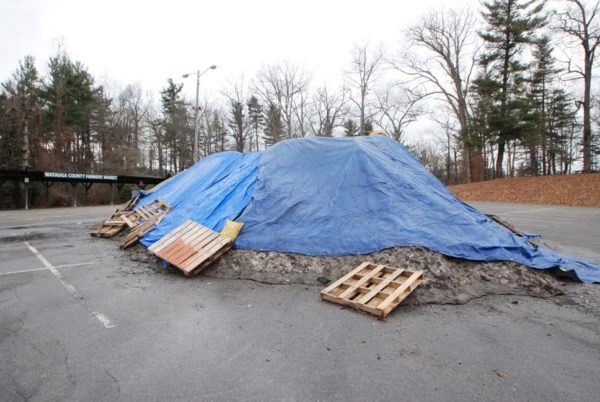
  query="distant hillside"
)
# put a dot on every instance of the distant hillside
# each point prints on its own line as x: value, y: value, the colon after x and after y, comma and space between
x: 574, y: 190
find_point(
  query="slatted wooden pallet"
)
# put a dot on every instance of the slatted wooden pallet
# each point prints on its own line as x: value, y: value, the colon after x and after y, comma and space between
x: 114, y: 224
x: 129, y: 205
x: 376, y: 289
x: 146, y: 213
x: 123, y: 217
x: 108, y: 229
x: 136, y: 234
x: 191, y: 247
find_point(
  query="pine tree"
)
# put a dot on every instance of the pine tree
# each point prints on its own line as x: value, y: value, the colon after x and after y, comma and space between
x: 70, y: 98
x: 175, y: 125
x: 559, y: 122
x: 22, y: 116
x: 350, y: 128
x: 238, y: 123
x: 218, y: 132
x: 484, y: 91
x: 255, y: 114
x: 273, y: 131
x: 368, y: 127
x: 511, y: 25
x: 541, y: 88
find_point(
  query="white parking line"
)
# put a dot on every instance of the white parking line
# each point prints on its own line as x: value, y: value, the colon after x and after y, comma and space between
x: 103, y: 319
x: 45, y: 269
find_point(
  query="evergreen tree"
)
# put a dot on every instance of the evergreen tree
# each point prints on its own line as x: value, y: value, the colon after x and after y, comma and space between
x: 541, y: 87
x: 559, y: 122
x: 485, y: 90
x: 70, y: 98
x: 510, y: 25
x: 255, y: 114
x: 350, y: 128
x: 273, y: 131
x: 368, y: 127
x: 218, y: 132
x: 238, y: 123
x: 175, y: 127
x: 21, y: 130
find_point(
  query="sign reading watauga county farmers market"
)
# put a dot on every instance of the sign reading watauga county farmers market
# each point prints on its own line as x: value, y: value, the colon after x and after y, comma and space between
x: 81, y: 176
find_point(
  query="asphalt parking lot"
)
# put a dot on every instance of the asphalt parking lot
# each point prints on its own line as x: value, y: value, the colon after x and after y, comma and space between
x: 79, y: 320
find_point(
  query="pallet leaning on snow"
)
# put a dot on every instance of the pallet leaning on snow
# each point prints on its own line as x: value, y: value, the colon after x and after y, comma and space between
x: 191, y: 247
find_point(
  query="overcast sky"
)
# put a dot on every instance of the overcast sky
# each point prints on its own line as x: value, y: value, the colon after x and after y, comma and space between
x: 149, y: 41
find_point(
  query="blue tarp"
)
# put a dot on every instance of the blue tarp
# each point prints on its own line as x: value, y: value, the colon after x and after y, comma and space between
x: 213, y: 190
x: 340, y: 196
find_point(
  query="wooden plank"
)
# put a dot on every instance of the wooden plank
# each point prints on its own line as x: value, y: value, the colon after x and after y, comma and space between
x: 202, y: 240
x: 350, y: 291
x: 212, y: 259
x: 344, y: 278
x: 164, y: 241
x: 377, y: 289
x: 143, y: 213
x: 416, y: 275
x: 168, y: 239
x: 196, y: 233
x: 350, y: 303
x: 204, y: 257
x: 204, y: 253
x: 127, y: 221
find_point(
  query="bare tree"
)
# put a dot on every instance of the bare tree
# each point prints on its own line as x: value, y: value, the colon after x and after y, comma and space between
x: 135, y: 107
x: 397, y: 107
x: 580, y: 22
x: 285, y: 85
x: 449, y: 42
x: 328, y: 110
x: 365, y: 65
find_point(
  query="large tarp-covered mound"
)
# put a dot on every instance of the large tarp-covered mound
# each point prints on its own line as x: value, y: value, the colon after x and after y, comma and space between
x: 342, y: 196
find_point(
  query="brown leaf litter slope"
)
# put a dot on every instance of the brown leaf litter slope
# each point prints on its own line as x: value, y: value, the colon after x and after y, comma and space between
x: 575, y: 190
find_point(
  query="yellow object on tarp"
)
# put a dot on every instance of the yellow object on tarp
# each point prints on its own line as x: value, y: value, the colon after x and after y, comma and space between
x: 232, y: 229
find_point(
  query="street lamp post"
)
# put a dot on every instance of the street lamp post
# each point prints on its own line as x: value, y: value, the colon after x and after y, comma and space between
x: 197, y: 107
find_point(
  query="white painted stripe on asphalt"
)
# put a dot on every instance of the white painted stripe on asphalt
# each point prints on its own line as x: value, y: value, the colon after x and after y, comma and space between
x: 23, y: 271
x: 104, y: 320
x: 45, y: 269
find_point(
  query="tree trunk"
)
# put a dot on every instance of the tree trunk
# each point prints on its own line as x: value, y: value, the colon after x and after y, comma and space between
x: 500, y: 159
x: 587, y: 123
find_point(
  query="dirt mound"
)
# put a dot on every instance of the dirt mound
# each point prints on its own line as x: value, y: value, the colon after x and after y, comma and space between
x: 575, y: 190
x: 447, y: 280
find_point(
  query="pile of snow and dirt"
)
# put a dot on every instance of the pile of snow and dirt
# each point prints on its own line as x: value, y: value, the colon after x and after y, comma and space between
x: 447, y: 280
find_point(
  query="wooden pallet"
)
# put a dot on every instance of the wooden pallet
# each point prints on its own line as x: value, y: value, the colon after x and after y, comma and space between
x: 376, y: 289
x: 114, y: 224
x: 191, y: 247
x: 136, y: 234
x: 146, y: 213
x: 110, y: 227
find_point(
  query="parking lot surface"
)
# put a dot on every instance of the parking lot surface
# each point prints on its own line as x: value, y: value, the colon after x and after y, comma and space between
x: 80, y: 320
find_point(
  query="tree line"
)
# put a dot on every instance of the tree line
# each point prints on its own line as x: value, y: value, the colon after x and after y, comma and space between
x: 510, y: 87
